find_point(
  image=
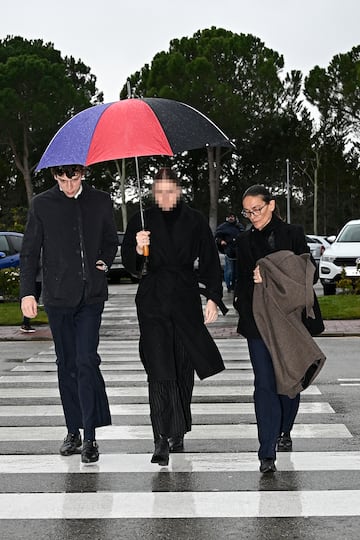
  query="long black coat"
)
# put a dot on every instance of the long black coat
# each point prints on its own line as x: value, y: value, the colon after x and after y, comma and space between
x: 252, y: 245
x: 168, y: 299
x: 72, y: 234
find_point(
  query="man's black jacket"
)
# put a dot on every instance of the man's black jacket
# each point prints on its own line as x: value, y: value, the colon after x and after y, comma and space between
x: 71, y: 235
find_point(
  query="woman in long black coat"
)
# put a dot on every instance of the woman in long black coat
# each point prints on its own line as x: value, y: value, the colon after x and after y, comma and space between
x: 174, y: 340
x: 275, y: 413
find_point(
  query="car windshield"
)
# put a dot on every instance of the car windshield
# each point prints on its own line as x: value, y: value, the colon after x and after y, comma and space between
x: 350, y: 234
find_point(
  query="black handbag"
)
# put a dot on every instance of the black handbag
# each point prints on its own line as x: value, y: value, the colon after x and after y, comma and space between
x: 314, y: 326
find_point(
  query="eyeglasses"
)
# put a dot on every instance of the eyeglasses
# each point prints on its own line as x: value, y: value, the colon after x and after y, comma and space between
x: 254, y: 212
x: 69, y: 171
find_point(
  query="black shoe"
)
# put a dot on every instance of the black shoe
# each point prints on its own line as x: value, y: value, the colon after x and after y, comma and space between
x: 267, y: 465
x: 71, y: 444
x: 90, y: 452
x: 161, y: 453
x: 284, y: 443
x: 176, y: 444
x: 27, y: 329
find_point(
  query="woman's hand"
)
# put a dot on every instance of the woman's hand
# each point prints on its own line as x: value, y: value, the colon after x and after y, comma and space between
x: 142, y: 240
x: 257, y: 275
x: 211, y: 312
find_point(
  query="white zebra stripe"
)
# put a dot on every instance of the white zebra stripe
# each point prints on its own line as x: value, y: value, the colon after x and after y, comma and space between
x: 134, y: 409
x: 185, y: 462
x: 200, y: 431
x: 109, y: 505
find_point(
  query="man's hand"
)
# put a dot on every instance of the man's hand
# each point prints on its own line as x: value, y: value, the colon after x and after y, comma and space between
x: 29, y: 307
x: 211, y: 312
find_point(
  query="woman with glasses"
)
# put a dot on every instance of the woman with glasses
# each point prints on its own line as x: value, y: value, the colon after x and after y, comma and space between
x: 275, y: 413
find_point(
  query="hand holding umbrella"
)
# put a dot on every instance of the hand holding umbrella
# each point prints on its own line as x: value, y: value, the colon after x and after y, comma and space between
x: 142, y: 243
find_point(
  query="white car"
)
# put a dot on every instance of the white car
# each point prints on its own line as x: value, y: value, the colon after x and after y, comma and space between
x: 344, y: 253
x: 317, y: 245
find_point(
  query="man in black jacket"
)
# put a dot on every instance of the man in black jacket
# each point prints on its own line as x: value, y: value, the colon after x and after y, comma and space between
x: 73, y: 226
x: 225, y: 237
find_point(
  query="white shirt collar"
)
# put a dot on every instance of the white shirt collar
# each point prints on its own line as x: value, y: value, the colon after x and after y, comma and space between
x: 76, y: 194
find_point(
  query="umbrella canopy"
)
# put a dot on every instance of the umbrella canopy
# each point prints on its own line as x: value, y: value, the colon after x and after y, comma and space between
x: 131, y: 128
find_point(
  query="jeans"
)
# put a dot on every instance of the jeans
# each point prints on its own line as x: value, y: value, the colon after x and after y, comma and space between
x: 229, y: 273
x: 275, y: 413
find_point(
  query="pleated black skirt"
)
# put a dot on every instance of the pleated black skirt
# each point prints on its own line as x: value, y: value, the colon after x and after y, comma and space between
x: 170, y: 401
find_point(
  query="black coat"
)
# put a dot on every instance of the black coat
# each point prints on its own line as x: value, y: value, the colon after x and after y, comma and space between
x: 252, y: 245
x: 228, y: 232
x: 72, y: 235
x: 168, y: 299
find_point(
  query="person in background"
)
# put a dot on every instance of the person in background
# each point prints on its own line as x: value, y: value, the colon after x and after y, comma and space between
x: 275, y: 413
x: 174, y: 340
x: 225, y: 237
x: 72, y: 225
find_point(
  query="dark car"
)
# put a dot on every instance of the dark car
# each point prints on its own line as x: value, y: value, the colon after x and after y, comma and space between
x: 10, y: 247
x: 117, y: 270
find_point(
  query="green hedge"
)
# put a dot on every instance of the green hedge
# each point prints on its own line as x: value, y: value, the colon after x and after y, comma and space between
x: 9, y: 284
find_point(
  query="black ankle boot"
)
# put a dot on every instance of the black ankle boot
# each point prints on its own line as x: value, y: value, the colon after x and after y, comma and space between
x: 161, y: 453
x: 176, y: 444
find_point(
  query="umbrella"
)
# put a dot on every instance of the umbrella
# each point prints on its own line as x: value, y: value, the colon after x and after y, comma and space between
x: 131, y: 128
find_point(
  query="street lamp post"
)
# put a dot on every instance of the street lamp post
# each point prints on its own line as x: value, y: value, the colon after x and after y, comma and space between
x: 288, y: 190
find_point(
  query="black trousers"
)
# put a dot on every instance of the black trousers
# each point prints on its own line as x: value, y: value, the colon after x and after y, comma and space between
x: 82, y: 389
x: 275, y: 413
x: 170, y: 400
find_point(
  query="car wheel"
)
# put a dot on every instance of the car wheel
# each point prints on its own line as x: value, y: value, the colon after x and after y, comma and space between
x: 329, y: 289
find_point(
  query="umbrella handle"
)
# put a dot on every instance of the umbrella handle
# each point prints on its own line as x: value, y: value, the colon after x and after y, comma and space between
x: 146, y: 251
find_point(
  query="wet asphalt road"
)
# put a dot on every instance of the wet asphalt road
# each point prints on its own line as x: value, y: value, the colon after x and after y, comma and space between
x: 324, y: 466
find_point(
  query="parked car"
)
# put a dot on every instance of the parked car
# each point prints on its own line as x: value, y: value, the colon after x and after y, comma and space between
x: 10, y: 247
x: 117, y: 270
x: 343, y: 253
x: 317, y: 245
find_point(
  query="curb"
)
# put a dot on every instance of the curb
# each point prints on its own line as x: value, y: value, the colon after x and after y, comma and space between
x: 43, y: 333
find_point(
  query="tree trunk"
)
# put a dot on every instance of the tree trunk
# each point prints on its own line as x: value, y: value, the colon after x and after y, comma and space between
x: 214, y: 160
x: 121, y: 173
x: 24, y: 167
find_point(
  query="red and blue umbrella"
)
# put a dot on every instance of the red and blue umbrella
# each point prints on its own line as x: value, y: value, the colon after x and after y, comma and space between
x: 131, y: 128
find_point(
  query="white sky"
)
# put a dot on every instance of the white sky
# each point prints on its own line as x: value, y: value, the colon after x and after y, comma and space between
x: 115, y: 38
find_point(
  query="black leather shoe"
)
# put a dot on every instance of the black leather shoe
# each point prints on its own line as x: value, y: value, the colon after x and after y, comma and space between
x: 90, y: 452
x: 176, y: 444
x: 284, y: 443
x: 161, y: 453
x: 71, y: 444
x: 267, y: 465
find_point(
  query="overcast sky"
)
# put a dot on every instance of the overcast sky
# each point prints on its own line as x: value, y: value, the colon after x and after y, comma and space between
x: 115, y: 38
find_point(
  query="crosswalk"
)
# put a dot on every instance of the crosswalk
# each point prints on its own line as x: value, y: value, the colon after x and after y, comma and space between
x: 214, y: 485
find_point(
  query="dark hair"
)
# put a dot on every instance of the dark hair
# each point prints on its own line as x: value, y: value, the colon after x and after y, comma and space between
x: 167, y: 173
x: 258, y: 190
x: 67, y: 169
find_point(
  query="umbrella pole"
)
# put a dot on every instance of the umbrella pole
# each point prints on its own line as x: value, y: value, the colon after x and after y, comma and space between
x: 145, y: 248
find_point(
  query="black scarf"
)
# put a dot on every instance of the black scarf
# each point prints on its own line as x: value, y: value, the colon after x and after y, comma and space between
x: 264, y: 242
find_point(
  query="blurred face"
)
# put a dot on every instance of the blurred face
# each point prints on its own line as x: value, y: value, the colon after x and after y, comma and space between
x: 69, y: 179
x: 166, y: 194
x: 258, y: 211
